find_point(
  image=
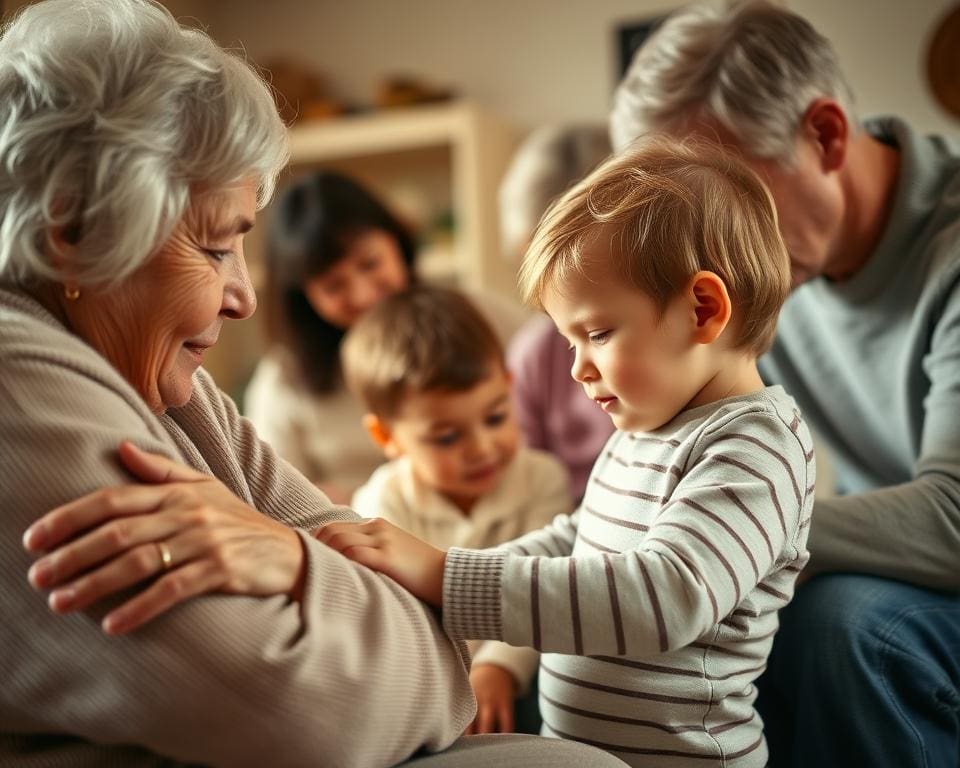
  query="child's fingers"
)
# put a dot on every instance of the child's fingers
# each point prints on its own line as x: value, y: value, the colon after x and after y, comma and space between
x: 506, y: 716
x: 366, y: 555
x: 485, y: 718
x: 342, y: 539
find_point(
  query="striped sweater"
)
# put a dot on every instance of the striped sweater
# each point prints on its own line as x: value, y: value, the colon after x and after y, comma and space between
x: 655, y: 603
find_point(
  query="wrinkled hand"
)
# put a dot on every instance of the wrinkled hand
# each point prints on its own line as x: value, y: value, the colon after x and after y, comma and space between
x: 495, y: 690
x: 382, y: 546
x: 116, y: 537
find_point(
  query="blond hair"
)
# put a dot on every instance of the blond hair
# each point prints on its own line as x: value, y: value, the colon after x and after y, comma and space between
x: 670, y: 209
x: 422, y: 339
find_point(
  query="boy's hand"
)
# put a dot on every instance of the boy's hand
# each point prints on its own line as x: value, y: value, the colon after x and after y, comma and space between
x: 495, y: 689
x: 384, y: 547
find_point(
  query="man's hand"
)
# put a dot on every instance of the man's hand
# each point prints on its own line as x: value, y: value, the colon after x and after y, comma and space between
x: 495, y: 689
x: 382, y: 546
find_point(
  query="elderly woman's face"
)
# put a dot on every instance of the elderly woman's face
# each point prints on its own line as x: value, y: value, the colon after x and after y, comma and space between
x: 155, y: 327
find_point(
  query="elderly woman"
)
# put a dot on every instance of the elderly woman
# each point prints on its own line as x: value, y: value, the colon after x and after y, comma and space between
x: 133, y: 156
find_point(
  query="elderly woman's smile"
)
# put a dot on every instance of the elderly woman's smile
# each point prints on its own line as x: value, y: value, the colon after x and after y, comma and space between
x: 155, y: 326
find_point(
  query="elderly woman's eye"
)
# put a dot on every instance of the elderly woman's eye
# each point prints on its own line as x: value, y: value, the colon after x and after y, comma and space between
x: 218, y: 255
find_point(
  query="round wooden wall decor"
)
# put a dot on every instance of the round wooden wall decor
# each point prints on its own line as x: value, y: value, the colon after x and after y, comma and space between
x: 943, y: 62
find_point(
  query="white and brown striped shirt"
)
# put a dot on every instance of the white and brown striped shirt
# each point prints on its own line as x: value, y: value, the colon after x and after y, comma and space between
x: 655, y: 604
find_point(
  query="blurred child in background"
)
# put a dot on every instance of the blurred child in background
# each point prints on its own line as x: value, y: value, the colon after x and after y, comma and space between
x: 429, y: 371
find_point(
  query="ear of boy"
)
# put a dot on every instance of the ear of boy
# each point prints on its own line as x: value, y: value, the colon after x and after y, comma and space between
x: 711, y: 308
x: 379, y: 430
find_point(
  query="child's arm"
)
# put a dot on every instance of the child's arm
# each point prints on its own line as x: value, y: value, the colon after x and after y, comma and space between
x: 740, y: 510
x: 419, y: 567
x: 385, y: 547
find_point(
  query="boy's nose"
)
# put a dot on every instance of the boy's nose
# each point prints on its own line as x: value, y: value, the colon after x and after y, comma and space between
x: 480, y: 445
x: 581, y: 370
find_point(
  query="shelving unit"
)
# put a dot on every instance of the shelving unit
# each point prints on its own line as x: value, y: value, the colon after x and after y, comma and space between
x: 421, y: 161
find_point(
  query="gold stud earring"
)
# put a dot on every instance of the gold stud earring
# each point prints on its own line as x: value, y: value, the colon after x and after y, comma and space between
x: 71, y: 292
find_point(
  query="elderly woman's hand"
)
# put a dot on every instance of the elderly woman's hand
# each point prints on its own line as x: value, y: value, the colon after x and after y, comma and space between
x: 183, y: 527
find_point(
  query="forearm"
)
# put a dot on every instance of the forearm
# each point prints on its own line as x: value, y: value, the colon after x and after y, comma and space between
x: 225, y: 680
x: 909, y: 532
x: 553, y: 540
x: 590, y: 605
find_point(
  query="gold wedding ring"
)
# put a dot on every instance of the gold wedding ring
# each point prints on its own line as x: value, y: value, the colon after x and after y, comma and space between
x: 166, y: 558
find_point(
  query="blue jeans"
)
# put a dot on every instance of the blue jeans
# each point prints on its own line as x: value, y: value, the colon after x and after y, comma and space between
x: 864, y: 672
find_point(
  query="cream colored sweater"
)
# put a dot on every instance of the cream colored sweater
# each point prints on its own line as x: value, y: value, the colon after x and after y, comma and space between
x: 358, y: 673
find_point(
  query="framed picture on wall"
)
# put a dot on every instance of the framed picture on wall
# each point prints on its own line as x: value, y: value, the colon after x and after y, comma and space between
x: 630, y: 36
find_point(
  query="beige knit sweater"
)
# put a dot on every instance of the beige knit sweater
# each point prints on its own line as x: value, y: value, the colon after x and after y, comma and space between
x: 356, y: 674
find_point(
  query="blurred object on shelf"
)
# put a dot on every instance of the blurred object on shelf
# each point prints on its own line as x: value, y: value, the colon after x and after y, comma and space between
x: 299, y: 90
x: 321, y: 110
x: 407, y: 91
x: 943, y: 62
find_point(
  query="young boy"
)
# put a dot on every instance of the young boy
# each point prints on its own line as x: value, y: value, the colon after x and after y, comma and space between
x: 430, y: 372
x: 656, y: 603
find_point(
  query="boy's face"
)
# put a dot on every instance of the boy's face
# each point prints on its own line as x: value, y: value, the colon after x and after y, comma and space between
x: 641, y: 368
x: 459, y: 443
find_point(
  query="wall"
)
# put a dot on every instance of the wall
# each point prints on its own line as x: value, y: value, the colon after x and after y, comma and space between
x: 541, y: 61
x: 538, y: 61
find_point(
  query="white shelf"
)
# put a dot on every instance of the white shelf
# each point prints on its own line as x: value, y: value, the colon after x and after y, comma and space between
x: 452, y: 154
x: 388, y: 131
x: 477, y: 149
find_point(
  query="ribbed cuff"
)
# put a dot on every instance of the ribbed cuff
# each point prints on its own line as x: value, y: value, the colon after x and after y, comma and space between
x: 471, y: 594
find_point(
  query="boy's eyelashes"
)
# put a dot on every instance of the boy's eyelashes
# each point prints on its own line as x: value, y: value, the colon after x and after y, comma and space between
x: 599, y: 337
x: 444, y: 439
x: 593, y: 337
x: 370, y: 263
x: 448, y: 438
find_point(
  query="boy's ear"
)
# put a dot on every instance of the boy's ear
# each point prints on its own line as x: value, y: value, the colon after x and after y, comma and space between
x: 379, y: 430
x: 827, y: 125
x: 708, y: 296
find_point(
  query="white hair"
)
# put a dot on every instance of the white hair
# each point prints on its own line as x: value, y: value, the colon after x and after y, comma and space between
x: 753, y: 67
x: 549, y: 161
x: 112, y: 115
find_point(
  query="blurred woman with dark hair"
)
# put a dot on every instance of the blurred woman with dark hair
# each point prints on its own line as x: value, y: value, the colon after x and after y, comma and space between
x: 333, y: 251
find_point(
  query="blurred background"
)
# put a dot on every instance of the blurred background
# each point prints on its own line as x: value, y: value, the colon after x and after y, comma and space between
x: 425, y: 100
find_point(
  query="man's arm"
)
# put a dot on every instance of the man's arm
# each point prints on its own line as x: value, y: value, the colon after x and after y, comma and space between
x: 910, y: 531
